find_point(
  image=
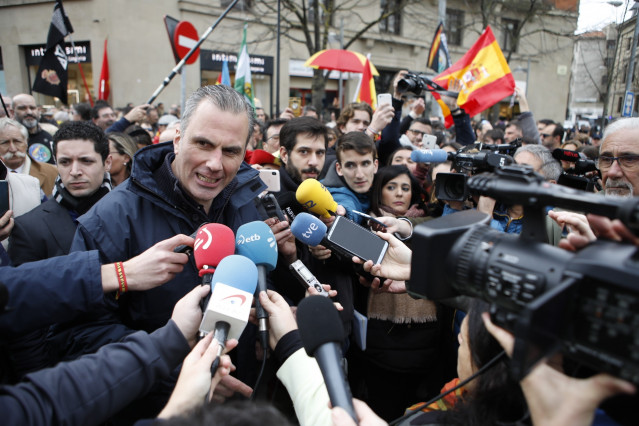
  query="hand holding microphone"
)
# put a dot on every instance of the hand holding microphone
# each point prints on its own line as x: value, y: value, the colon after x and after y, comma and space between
x: 316, y: 198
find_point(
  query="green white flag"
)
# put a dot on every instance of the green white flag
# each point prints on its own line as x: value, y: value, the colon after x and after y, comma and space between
x: 243, y: 83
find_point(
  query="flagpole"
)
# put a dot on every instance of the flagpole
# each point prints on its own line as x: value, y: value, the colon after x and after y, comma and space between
x: 77, y: 61
x: 180, y: 64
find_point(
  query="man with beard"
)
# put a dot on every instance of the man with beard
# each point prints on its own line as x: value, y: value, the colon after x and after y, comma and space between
x: 13, y: 151
x: 619, y: 158
x: 25, y: 112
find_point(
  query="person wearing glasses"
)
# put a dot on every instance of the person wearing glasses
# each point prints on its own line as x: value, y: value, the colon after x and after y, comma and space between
x: 272, y: 142
x: 418, y: 128
x: 552, y: 136
x: 619, y: 158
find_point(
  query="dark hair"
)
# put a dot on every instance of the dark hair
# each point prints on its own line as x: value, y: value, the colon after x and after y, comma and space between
x: 357, y: 141
x: 546, y: 121
x: 349, y: 111
x: 383, y: 176
x: 233, y: 413
x: 274, y: 122
x: 84, y: 130
x: 496, y: 397
x: 559, y: 131
x: 423, y: 120
x: 83, y: 109
x: 495, y: 134
x: 95, y: 111
x: 401, y: 148
x: 301, y: 126
x: 139, y: 135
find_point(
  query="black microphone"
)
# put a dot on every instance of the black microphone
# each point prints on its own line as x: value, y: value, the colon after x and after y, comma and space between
x: 322, y: 332
x: 565, y: 155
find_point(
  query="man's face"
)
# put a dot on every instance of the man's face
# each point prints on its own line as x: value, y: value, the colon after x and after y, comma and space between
x: 358, y: 122
x: 106, y: 117
x: 511, y: 133
x: 621, y: 180
x: 306, y: 159
x: 261, y: 115
x: 80, y: 167
x: 358, y: 170
x: 528, y: 159
x: 13, y: 147
x: 25, y: 111
x: 547, y: 138
x: 153, y: 116
x: 417, y: 132
x: 210, y: 152
x: 272, y: 143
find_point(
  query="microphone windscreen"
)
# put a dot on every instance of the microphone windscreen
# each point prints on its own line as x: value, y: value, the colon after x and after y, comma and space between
x: 237, y: 271
x: 289, y: 205
x: 308, y: 229
x: 316, y: 198
x: 319, y: 323
x: 565, y: 154
x: 256, y: 241
x: 213, y: 242
x: 429, y: 156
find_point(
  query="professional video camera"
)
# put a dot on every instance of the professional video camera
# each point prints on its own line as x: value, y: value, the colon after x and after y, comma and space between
x: 581, y: 175
x: 471, y: 160
x: 586, y: 303
x: 419, y: 83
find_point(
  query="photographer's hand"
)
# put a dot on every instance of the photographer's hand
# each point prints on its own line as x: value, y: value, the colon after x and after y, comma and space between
x: 396, y: 262
x: 556, y: 399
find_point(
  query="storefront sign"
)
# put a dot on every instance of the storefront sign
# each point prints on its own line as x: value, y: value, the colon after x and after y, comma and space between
x: 212, y: 60
x: 35, y: 52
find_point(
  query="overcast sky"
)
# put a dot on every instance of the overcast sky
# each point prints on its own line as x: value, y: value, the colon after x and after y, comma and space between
x: 595, y: 14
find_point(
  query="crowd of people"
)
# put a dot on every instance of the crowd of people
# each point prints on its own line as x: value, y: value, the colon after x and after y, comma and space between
x: 102, y: 312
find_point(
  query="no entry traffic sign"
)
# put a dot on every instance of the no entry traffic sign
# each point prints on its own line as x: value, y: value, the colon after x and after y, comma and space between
x: 184, y: 38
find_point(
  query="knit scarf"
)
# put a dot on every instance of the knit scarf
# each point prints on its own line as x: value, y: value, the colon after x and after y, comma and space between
x: 81, y: 205
x: 413, y: 211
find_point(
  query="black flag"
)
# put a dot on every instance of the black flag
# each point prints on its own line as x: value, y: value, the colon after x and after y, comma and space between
x: 51, y: 78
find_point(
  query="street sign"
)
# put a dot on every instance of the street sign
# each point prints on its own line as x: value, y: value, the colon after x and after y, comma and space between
x: 184, y: 38
x: 628, y: 104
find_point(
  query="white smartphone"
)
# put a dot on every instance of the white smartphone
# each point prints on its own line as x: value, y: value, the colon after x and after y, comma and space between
x: 271, y: 178
x: 384, y: 98
x: 429, y: 142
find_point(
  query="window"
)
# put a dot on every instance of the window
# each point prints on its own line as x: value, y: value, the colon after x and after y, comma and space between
x: 610, y: 44
x: 619, y: 103
x: 510, y: 29
x: 608, y: 62
x: 604, y: 80
x: 241, y: 5
x: 392, y: 24
x: 454, y: 27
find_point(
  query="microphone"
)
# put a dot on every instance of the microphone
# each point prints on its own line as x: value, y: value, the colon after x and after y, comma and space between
x: 430, y: 156
x: 229, y: 306
x: 309, y: 230
x: 565, y: 155
x: 322, y: 334
x: 213, y: 242
x: 289, y: 204
x: 256, y: 241
x: 316, y: 198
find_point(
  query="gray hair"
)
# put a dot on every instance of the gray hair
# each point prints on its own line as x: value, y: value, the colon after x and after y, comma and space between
x: 617, y: 125
x: 223, y: 97
x: 550, y: 167
x: 5, y: 121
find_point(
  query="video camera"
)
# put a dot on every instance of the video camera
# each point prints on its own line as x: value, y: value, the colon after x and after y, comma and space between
x: 584, y: 303
x: 581, y: 175
x: 452, y: 186
x: 419, y: 83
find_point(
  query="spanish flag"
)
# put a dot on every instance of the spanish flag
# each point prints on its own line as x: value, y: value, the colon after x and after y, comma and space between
x: 438, y: 56
x: 485, y: 77
x: 366, y: 92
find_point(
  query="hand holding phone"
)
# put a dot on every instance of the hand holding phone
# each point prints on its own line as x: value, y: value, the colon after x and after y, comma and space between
x: 384, y: 98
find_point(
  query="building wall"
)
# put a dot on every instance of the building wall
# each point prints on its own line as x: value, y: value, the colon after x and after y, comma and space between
x: 589, y: 76
x: 140, y: 56
x: 619, y: 72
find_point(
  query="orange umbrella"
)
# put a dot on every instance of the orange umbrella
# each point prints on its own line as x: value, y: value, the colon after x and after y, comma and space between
x: 339, y: 60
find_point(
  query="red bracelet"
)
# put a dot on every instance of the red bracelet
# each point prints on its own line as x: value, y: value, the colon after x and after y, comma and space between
x: 119, y: 271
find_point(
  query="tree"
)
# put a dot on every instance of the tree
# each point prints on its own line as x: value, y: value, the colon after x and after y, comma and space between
x: 309, y: 22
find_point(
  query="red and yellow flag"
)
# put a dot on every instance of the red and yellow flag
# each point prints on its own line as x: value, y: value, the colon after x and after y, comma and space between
x: 485, y: 77
x: 366, y: 91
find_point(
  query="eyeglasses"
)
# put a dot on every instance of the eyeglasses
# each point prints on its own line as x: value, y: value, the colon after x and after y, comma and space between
x: 276, y: 138
x: 545, y: 135
x: 630, y: 161
x: 417, y: 132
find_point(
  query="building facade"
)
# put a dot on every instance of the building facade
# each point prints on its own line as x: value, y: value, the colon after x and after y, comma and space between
x: 538, y: 46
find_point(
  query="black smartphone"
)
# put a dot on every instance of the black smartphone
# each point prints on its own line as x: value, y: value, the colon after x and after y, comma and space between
x: 372, y: 223
x: 267, y: 207
x: 357, y: 240
x: 4, y: 197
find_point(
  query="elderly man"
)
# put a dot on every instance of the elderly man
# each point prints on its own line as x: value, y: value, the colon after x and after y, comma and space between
x: 25, y: 112
x: 619, y: 158
x: 173, y: 189
x: 13, y: 151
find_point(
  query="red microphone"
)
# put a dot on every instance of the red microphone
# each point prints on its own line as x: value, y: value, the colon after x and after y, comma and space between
x: 213, y: 242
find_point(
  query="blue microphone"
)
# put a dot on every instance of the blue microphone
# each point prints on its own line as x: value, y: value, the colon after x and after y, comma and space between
x: 308, y: 229
x: 256, y: 241
x: 430, y: 156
